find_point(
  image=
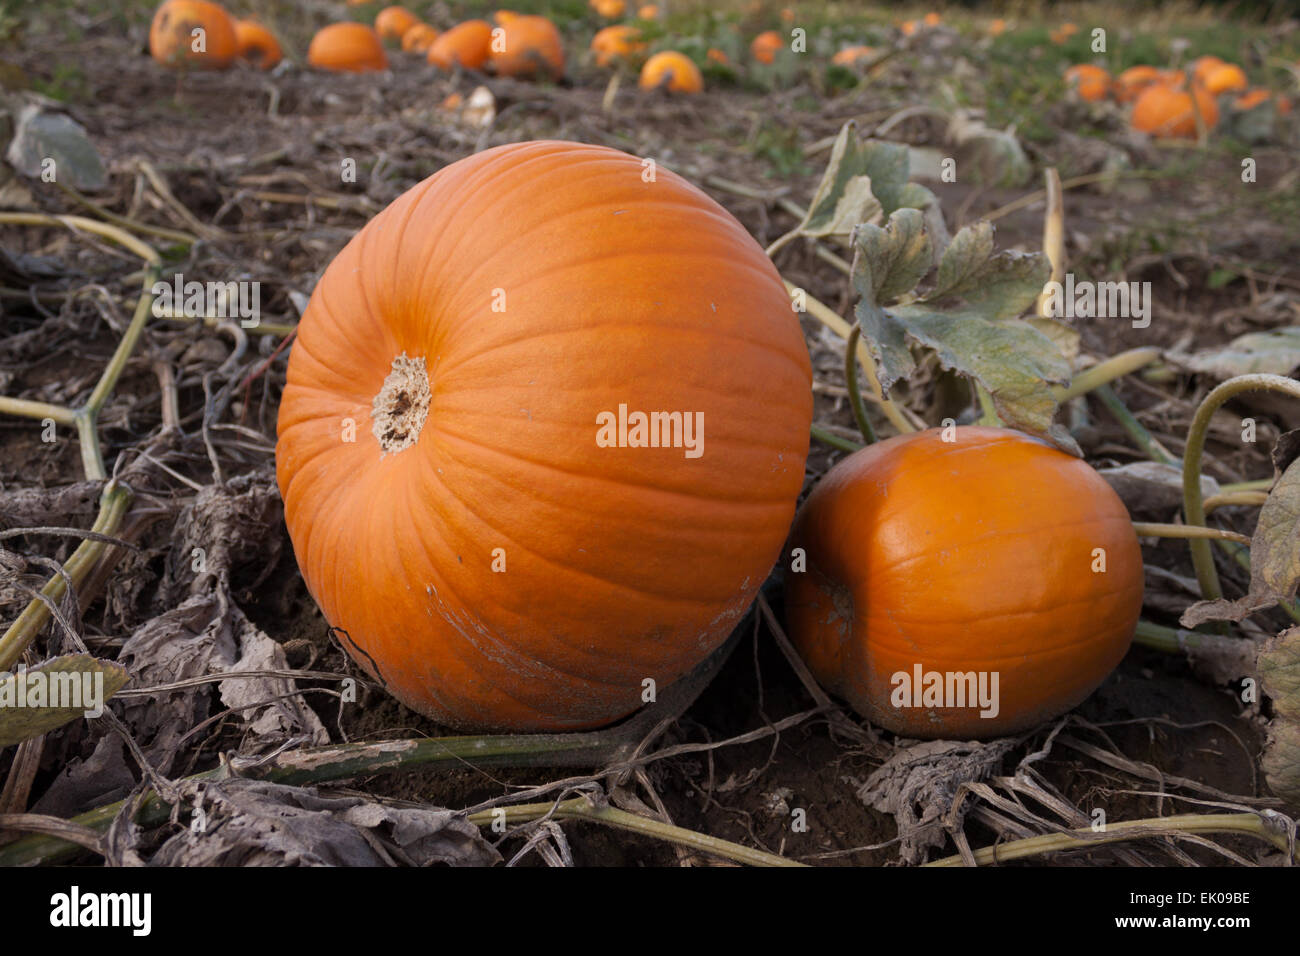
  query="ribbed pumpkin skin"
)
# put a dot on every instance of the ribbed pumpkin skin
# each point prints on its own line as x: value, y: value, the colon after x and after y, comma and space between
x: 622, y: 563
x: 974, y: 555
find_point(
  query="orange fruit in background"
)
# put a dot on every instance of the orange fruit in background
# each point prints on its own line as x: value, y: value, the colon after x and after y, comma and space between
x: 347, y: 47
x: 1134, y: 80
x: 717, y: 56
x: 256, y: 44
x: 609, y: 9
x: 1225, y: 78
x: 1166, y: 113
x: 765, y: 46
x: 675, y: 70
x: 1251, y: 99
x: 1092, y: 83
x: 502, y: 17
x: 1063, y: 33
x: 392, y: 22
x: 852, y: 54
x: 649, y: 11
x: 619, y: 42
x: 195, y: 33
x: 908, y: 27
x: 1201, y: 67
x: 531, y: 46
x: 419, y: 38
x: 468, y: 44
x: 997, y: 27
x: 932, y: 19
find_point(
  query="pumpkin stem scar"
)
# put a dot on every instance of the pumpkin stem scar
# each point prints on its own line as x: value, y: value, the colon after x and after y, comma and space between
x: 399, y: 410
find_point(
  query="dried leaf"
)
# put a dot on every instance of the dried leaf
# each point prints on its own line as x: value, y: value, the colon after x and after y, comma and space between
x: 256, y: 823
x: 1152, y: 487
x: 917, y: 787
x: 1281, y: 760
x: 37, y: 700
x: 1274, y: 558
x: 1276, y: 351
x: 1279, y: 672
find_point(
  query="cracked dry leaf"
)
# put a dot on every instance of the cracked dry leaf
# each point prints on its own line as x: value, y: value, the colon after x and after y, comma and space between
x: 1276, y: 352
x: 1274, y: 557
x: 918, y: 785
x: 26, y: 696
x: 257, y: 823
x: 1279, y: 678
x: 980, y: 339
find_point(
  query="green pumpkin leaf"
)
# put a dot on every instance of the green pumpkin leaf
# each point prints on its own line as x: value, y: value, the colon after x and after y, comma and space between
x: 43, y: 698
x: 980, y: 337
x: 1274, y: 557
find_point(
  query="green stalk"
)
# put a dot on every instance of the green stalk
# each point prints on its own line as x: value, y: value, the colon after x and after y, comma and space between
x: 1136, y: 430
x: 835, y: 441
x: 1147, y: 529
x: 1251, y: 824
x: 1193, y: 506
x: 851, y: 379
x: 580, y: 808
x: 1102, y: 373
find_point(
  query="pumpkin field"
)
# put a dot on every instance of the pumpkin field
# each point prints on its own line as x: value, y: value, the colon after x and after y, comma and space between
x: 649, y: 435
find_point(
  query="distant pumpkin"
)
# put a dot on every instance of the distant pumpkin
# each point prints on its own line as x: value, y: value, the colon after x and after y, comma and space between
x: 1167, y: 113
x: 714, y: 55
x: 419, y: 38
x: 393, y: 22
x: 193, y: 33
x: 766, y: 45
x: 1063, y: 33
x: 257, y: 45
x: 648, y: 11
x: 619, y: 42
x: 468, y: 44
x: 932, y: 19
x: 529, y: 46
x: 997, y: 27
x: 1091, y: 83
x: 1226, y: 78
x: 609, y: 9
x: 1131, y: 82
x: 348, y: 48
x: 851, y: 55
x: 674, y: 70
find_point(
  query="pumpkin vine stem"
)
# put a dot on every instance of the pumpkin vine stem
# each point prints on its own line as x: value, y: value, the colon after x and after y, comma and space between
x: 583, y: 808
x: 1135, y: 429
x: 851, y: 380
x: 833, y: 440
x: 1193, y: 505
x: 1150, y: 529
x: 828, y: 317
x: 1263, y: 826
x: 1105, y: 372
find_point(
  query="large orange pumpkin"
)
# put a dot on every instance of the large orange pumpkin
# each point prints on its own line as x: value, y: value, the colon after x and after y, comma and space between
x: 459, y: 500
x: 529, y: 46
x: 193, y: 33
x: 675, y: 71
x: 1130, y: 83
x: 467, y: 44
x: 257, y: 44
x: 621, y: 42
x: 347, y: 47
x: 972, y: 556
x: 1166, y: 113
x: 391, y: 23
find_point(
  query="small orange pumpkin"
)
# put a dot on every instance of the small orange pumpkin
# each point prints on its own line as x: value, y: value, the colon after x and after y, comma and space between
x: 908, y: 27
x: 468, y: 44
x: 257, y: 44
x: 609, y: 9
x: 648, y: 11
x: 932, y: 19
x: 391, y: 23
x: 1203, y: 66
x: 193, y: 33
x: 1225, y: 78
x: 1251, y: 99
x: 997, y: 27
x: 1168, y: 113
x: 620, y: 42
x: 850, y: 55
x: 1063, y: 33
x: 714, y: 55
x: 419, y: 38
x: 480, y: 548
x: 1090, y: 82
x: 529, y: 46
x: 973, y: 556
x: 347, y: 48
x: 1131, y: 82
x: 765, y: 46
x: 674, y: 70
x: 502, y: 17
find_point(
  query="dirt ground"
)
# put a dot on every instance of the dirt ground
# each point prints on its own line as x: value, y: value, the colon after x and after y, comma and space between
x: 252, y: 162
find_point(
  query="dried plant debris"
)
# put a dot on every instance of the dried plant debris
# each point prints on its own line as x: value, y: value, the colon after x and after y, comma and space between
x: 238, y: 822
